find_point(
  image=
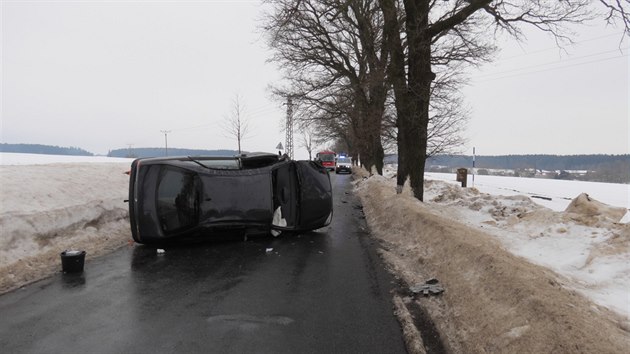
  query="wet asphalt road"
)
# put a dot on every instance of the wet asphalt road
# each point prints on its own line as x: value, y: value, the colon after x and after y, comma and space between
x: 321, y: 292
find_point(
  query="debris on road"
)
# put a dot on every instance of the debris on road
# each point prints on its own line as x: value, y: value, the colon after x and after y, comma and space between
x: 160, y: 251
x: 430, y: 287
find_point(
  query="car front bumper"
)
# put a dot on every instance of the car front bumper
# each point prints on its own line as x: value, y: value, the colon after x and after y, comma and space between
x: 343, y: 169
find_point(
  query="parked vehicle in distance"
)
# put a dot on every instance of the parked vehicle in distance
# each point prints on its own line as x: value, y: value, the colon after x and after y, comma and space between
x: 327, y: 159
x: 182, y: 197
x: 344, y: 164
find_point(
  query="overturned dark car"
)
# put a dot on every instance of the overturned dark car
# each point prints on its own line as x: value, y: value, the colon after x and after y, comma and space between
x: 188, y: 197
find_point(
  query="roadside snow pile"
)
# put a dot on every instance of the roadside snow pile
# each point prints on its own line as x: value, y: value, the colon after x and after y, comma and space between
x: 585, y: 243
x: 495, y: 299
x: 48, y: 208
x: 589, y: 211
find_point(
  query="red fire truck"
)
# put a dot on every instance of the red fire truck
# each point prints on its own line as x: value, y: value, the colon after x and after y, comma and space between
x: 327, y: 158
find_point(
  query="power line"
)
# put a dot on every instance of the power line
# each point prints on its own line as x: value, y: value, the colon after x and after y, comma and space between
x: 551, y: 69
x: 264, y: 108
x: 556, y: 47
x: 552, y: 63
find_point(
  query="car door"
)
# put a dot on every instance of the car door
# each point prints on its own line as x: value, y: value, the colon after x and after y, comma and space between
x: 302, y: 196
x: 285, y: 196
x: 315, y: 190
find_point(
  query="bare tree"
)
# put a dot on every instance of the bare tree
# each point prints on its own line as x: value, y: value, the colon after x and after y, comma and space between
x: 428, y: 24
x: 617, y: 10
x: 332, y: 53
x: 236, y: 125
x: 448, y: 116
x: 308, y: 141
x: 331, y: 118
x: 337, y: 65
x: 341, y: 57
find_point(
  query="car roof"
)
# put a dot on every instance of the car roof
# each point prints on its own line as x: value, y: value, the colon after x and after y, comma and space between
x: 245, y: 161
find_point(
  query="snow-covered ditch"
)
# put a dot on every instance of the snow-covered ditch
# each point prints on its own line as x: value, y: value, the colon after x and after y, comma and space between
x: 48, y: 207
x: 519, y: 277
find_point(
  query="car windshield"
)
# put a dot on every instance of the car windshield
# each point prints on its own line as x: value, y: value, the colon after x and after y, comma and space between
x: 344, y: 160
x: 327, y: 157
x: 177, y: 199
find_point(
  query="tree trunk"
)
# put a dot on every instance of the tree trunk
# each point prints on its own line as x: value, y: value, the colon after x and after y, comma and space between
x: 416, y: 123
x: 376, y: 106
x: 397, y: 78
x: 370, y: 117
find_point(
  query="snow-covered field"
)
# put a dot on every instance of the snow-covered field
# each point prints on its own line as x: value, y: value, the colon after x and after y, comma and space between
x: 588, y: 243
x: 53, y: 203
x: 7, y: 158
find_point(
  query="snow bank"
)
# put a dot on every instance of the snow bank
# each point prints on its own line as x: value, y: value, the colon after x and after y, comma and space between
x: 581, y: 238
x: 585, y: 243
x: 48, y: 208
x: 512, y: 269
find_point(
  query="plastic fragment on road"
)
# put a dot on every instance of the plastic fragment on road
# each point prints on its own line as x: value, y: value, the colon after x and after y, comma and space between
x: 160, y: 251
x: 430, y: 287
x: 268, y: 250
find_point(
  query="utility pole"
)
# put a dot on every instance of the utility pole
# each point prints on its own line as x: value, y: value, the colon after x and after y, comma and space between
x: 165, y: 140
x: 289, y: 137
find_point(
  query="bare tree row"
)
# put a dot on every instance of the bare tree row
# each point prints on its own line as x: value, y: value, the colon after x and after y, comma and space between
x: 384, y: 73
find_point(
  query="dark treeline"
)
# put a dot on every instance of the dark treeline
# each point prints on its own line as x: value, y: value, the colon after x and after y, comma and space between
x: 160, y: 152
x: 599, y: 168
x: 538, y: 162
x: 43, y: 149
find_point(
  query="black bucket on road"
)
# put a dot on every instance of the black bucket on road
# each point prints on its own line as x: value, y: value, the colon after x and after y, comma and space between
x: 72, y: 261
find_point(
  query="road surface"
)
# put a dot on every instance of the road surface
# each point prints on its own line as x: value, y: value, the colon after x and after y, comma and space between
x: 321, y: 292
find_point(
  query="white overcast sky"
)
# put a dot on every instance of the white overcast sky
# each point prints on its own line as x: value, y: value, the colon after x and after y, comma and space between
x: 101, y: 75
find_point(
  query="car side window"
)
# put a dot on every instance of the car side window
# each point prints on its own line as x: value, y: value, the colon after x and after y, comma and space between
x: 177, y: 199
